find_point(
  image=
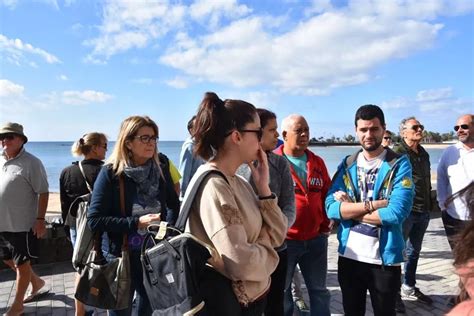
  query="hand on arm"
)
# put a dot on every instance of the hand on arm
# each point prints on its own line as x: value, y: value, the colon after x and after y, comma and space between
x: 358, y: 210
x: 39, y: 227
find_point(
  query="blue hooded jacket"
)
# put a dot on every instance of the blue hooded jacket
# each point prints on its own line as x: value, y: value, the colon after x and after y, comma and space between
x: 394, y: 183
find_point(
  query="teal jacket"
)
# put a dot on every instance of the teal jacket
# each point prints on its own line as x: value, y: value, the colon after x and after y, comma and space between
x: 394, y: 183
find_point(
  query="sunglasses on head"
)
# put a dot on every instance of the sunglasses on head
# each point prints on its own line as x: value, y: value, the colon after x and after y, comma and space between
x: 462, y: 126
x: 7, y: 137
x: 417, y: 126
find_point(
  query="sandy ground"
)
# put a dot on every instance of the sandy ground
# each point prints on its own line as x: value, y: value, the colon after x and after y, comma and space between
x: 54, y: 205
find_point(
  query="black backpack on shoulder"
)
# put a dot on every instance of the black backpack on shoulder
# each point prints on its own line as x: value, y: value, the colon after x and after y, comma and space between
x: 176, y: 276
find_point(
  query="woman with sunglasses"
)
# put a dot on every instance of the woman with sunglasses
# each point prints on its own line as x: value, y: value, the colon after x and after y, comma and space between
x: 243, y: 227
x: 147, y: 196
x: 77, y: 180
x: 281, y: 183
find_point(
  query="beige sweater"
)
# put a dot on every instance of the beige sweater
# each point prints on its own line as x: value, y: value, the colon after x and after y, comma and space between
x: 242, y: 229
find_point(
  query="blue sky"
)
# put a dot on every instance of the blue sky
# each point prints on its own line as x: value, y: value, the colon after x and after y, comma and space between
x: 71, y: 67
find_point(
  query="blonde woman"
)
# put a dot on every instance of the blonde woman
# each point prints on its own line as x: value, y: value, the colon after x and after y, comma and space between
x: 92, y: 146
x: 147, y: 198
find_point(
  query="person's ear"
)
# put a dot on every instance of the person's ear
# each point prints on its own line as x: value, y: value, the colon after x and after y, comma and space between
x: 236, y: 137
x: 283, y: 134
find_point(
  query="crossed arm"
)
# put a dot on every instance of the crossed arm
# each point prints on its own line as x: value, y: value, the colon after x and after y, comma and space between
x: 358, y: 210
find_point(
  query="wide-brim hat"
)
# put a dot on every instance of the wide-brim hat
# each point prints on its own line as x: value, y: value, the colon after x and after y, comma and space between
x: 13, y: 128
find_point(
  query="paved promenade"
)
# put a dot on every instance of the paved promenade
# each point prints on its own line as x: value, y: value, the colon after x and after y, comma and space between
x: 435, y: 277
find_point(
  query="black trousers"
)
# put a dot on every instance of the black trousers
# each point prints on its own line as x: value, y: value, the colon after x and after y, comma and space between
x: 276, y: 295
x: 383, y: 283
x: 453, y: 227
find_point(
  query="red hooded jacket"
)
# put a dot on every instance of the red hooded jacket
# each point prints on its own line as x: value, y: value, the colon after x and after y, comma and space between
x: 311, y: 219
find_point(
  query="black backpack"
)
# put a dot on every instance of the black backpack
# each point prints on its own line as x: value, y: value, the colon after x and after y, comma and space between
x: 175, y: 275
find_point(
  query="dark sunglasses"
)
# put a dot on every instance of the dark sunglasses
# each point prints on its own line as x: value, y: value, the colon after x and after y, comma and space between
x: 145, y: 139
x: 416, y: 127
x: 104, y: 146
x: 7, y: 137
x: 387, y: 138
x: 259, y: 132
x: 462, y: 126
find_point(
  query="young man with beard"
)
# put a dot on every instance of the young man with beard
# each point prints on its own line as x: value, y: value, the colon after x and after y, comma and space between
x: 371, y: 195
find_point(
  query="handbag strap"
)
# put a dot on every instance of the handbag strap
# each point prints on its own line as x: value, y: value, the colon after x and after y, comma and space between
x: 190, y: 194
x: 89, y: 187
x: 122, y: 209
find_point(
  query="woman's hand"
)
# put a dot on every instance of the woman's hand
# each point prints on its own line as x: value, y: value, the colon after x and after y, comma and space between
x: 145, y: 220
x: 261, y: 174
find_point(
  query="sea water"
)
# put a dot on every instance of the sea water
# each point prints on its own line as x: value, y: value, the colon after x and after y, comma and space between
x: 57, y: 155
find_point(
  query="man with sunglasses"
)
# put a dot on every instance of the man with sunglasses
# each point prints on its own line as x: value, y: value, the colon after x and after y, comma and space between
x: 455, y: 173
x: 414, y: 227
x: 23, y: 203
x: 307, y: 238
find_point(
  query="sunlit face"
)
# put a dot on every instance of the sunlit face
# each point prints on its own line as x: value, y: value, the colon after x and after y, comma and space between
x: 465, y: 135
x: 270, y: 135
x: 11, y: 144
x: 250, y: 142
x: 413, y: 130
x: 100, y: 150
x: 370, y: 133
x: 387, y: 139
x: 141, y: 149
x: 297, y: 136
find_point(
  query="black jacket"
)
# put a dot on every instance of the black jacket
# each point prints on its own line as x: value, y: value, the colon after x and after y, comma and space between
x: 420, y: 163
x: 72, y: 184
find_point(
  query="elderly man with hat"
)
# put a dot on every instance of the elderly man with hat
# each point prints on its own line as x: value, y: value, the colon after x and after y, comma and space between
x: 23, y: 202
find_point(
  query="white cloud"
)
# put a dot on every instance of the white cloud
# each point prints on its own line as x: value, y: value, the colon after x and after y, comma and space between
x: 314, y: 58
x: 132, y: 24
x: 332, y: 47
x: 63, y: 77
x: 178, y: 83
x: 9, y: 89
x: 430, y: 101
x: 433, y: 94
x: 84, y: 97
x: 11, y: 4
x: 212, y: 11
x: 13, y: 50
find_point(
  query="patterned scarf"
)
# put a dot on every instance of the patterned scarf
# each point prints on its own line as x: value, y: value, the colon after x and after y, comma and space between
x: 147, y: 180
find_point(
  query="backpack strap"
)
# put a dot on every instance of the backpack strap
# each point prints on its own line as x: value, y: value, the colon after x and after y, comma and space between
x: 191, y: 192
x: 89, y: 187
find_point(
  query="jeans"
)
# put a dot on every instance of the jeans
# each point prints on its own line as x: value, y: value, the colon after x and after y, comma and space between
x: 311, y: 255
x: 142, y: 305
x: 453, y: 227
x: 414, y: 229
x: 355, y: 278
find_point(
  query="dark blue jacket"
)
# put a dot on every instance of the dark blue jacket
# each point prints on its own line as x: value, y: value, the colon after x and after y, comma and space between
x: 104, y: 213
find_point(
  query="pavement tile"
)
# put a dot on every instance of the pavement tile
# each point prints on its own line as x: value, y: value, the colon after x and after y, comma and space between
x: 435, y: 277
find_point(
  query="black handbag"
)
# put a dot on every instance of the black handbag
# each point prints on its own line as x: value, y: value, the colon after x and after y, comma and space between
x: 176, y: 276
x: 106, y: 284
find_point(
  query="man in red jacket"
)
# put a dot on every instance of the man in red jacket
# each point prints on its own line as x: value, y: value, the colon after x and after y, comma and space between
x: 307, y: 239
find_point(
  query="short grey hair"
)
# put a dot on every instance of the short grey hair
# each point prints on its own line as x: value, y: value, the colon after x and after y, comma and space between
x: 404, y: 121
x: 287, y: 122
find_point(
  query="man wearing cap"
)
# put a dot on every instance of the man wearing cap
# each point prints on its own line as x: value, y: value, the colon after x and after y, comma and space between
x: 23, y: 202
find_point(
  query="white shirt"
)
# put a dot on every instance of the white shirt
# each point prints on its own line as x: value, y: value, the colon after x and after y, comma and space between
x: 455, y: 172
